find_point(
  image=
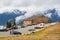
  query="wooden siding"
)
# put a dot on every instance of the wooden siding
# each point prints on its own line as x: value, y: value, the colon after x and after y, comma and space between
x: 41, y: 19
x: 27, y: 22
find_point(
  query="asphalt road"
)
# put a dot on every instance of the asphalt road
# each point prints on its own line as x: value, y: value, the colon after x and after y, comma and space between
x: 22, y: 30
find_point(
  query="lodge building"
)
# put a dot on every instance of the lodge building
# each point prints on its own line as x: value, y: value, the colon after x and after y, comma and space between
x: 36, y: 20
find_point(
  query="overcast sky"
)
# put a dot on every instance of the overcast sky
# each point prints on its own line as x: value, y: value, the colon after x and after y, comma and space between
x: 25, y: 3
x: 29, y: 4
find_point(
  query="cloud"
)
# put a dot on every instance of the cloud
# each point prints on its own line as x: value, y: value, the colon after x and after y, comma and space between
x: 24, y: 3
x: 31, y: 6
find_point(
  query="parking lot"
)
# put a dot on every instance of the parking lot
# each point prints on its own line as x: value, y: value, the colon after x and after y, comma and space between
x: 26, y: 30
x: 22, y: 30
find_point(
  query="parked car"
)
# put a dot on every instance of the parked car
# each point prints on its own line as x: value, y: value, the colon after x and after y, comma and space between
x: 8, y: 28
x: 38, y: 27
x: 14, y: 28
x: 15, y: 32
x: 1, y: 30
x: 31, y: 30
x: 22, y: 26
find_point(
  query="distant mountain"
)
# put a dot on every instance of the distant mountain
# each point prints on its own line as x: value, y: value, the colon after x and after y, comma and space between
x: 53, y: 15
x: 5, y: 16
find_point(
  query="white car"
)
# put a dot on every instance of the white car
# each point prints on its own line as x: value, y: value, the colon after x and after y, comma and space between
x: 2, y: 28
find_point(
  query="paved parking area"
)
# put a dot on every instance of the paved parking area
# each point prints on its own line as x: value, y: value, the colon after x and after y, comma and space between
x: 5, y: 33
x: 22, y: 30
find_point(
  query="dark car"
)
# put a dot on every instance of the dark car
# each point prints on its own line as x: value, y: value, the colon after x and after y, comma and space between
x: 31, y: 30
x: 38, y: 27
x: 3, y: 30
x: 15, y: 32
x: 22, y: 26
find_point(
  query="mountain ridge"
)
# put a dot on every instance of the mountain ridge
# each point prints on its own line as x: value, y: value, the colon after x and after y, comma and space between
x: 5, y: 16
x: 53, y: 14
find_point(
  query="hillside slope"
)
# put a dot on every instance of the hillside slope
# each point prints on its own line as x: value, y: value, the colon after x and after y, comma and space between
x: 50, y: 33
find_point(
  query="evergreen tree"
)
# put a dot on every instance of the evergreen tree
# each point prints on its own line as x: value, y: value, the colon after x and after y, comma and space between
x: 8, y: 24
x: 14, y: 22
x: 14, y: 25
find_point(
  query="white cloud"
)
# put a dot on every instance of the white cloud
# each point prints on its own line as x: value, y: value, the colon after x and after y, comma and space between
x: 24, y: 3
x: 19, y: 18
x: 30, y: 6
x: 48, y: 15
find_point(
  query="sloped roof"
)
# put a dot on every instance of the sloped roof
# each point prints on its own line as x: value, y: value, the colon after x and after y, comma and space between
x: 34, y: 17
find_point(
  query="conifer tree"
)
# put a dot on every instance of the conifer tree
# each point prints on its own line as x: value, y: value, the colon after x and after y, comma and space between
x: 8, y: 24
